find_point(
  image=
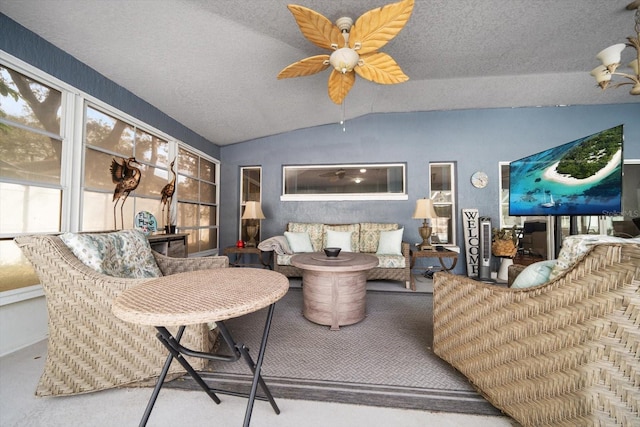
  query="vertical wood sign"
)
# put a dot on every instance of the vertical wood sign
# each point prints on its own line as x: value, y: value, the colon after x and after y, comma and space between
x: 471, y: 240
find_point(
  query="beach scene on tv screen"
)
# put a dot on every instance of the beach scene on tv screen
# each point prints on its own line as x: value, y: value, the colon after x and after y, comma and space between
x: 582, y: 177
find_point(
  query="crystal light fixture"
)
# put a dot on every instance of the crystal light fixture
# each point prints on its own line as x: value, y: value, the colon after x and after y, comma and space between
x: 612, y: 56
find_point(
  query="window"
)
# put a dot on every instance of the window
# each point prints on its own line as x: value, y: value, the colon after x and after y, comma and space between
x: 197, y: 192
x: 109, y: 139
x: 31, y: 158
x: 250, y: 191
x: 443, y: 194
x: 344, y: 182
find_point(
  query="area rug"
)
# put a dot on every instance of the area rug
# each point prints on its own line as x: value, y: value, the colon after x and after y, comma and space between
x: 384, y: 360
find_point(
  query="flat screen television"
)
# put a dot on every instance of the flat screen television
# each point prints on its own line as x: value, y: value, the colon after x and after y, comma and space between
x: 582, y: 177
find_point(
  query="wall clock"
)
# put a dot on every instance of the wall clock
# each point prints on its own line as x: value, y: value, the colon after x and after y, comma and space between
x: 479, y: 179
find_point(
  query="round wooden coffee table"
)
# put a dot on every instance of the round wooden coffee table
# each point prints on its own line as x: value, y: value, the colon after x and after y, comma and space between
x: 334, y: 289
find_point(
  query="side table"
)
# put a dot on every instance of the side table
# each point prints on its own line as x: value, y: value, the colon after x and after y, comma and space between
x: 431, y: 253
x: 239, y: 259
x: 201, y: 297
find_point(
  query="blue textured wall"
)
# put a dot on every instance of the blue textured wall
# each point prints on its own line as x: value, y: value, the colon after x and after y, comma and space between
x: 475, y: 139
x: 29, y: 47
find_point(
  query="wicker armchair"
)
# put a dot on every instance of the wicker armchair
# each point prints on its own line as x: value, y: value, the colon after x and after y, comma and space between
x: 90, y: 349
x: 563, y: 353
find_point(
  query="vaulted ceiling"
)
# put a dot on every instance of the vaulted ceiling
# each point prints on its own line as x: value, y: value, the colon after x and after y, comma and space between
x: 212, y: 64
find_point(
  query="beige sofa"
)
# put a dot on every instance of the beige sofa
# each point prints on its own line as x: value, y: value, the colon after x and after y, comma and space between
x: 365, y: 238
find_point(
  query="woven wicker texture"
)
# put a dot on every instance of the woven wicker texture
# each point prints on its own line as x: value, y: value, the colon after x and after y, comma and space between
x: 566, y: 353
x: 89, y: 348
x: 200, y: 296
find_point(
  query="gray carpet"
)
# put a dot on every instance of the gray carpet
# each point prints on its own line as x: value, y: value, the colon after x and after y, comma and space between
x: 385, y: 360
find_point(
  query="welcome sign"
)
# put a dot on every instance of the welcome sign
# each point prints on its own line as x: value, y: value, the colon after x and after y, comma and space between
x: 471, y: 240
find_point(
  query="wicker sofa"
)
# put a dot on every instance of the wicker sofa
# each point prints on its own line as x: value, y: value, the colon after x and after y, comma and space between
x: 90, y: 349
x: 566, y: 352
x: 365, y: 238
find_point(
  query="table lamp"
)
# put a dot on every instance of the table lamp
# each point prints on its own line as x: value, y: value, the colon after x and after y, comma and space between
x: 424, y: 210
x: 252, y: 212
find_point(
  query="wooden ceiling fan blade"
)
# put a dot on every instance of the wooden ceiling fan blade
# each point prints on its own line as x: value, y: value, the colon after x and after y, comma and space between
x: 380, y: 68
x: 305, y: 67
x: 340, y: 84
x: 316, y: 28
x: 376, y: 27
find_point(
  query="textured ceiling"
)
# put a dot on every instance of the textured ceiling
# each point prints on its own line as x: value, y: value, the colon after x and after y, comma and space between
x: 212, y: 64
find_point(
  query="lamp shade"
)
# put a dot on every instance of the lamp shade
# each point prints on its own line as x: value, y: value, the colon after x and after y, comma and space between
x: 424, y: 209
x: 252, y: 210
x: 611, y: 55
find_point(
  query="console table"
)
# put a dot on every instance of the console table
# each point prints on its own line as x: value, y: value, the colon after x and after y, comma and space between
x: 432, y: 253
x: 201, y: 297
x: 334, y: 289
x: 173, y: 245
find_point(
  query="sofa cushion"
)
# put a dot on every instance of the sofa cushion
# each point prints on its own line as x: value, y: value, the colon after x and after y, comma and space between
x: 299, y: 242
x: 125, y: 253
x: 370, y: 235
x: 534, y: 274
x: 355, y: 234
x: 391, y: 261
x: 315, y: 230
x: 390, y: 242
x: 339, y: 239
x: 574, y: 247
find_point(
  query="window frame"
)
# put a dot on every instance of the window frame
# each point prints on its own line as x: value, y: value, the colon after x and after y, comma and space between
x: 452, y: 202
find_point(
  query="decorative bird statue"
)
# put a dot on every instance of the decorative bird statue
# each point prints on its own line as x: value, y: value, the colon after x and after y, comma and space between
x: 127, y: 178
x: 354, y: 47
x: 167, y: 194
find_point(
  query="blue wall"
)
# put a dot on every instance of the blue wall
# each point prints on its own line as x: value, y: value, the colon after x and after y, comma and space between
x: 475, y: 139
x: 34, y: 50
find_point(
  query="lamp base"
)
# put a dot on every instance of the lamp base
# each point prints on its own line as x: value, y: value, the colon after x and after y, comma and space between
x: 425, y: 233
x: 252, y: 232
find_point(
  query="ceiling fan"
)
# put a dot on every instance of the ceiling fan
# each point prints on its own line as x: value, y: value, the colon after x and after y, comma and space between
x: 355, y: 47
x: 336, y: 175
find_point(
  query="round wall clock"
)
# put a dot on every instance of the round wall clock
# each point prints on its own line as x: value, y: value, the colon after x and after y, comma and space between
x: 479, y: 179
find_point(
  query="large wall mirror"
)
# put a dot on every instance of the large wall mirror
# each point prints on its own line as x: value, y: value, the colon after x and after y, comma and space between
x: 344, y: 182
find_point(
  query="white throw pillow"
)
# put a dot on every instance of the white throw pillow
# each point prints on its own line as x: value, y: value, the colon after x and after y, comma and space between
x: 299, y: 242
x: 390, y: 242
x: 339, y: 239
x: 534, y: 274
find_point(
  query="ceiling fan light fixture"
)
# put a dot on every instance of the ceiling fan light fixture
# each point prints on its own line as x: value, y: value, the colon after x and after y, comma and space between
x: 344, y: 60
x: 602, y: 75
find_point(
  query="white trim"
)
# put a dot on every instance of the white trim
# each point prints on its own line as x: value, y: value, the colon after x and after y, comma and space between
x: 20, y: 294
x: 340, y: 197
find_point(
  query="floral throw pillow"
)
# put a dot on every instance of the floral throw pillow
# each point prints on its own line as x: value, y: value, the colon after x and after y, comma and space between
x: 125, y: 253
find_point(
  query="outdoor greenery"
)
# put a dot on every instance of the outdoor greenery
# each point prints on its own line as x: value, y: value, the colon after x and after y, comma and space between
x: 588, y: 158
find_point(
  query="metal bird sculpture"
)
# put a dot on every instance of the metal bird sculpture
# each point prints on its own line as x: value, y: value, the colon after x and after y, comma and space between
x: 167, y: 194
x: 127, y: 178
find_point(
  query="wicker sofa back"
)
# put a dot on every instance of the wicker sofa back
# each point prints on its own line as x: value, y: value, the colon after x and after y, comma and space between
x: 563, y: 353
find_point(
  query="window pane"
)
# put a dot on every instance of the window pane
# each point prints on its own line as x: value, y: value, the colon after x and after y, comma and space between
x: 29, y: 156
x: 250, y: 184
x: 29, y: 102
x: 109, y: 133
x: 207, y: 193
x: 97, y: 174
x: 187, y: 188
x: 187, y: 215
x: 208, y: 238
x: 207, y: 215
x: 152, y: 149
x: 188, y: 163
x: 29, y: 209
x: 207, y: 170
x: 99, y: 210
x: 152, y: 181
x: 15, y: 270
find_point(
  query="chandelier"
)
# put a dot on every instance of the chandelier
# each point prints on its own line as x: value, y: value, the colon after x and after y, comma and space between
x: 611, y: 58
